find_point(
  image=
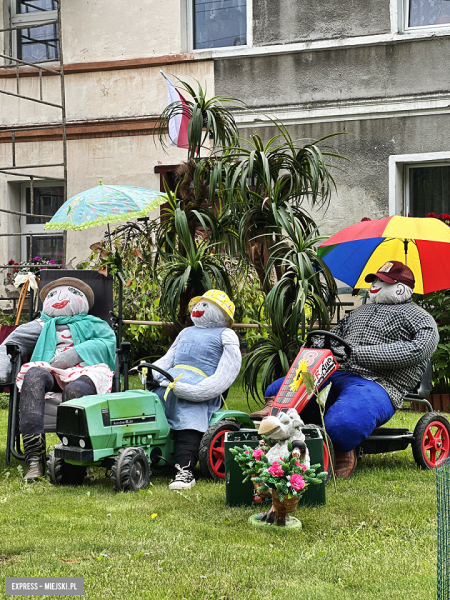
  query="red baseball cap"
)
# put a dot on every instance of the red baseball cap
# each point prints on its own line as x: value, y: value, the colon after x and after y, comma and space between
x: 394, y: 271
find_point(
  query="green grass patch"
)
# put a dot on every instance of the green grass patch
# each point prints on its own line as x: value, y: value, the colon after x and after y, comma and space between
x: 374, y: 540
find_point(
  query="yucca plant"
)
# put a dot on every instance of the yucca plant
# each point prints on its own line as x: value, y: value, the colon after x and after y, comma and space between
x: 187, y: 267
x: 207, y: 117
x: 305, y: 292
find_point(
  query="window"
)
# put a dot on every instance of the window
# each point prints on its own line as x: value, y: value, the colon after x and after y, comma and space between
x: 427, y: 13
x: 47, y: 198
x: 427, y: 189
x: 35, y: 43
x: 219, y: 23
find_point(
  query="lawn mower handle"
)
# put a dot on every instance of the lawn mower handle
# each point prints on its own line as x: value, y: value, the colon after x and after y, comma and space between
x: 328, y: 334
x: 145, y: 365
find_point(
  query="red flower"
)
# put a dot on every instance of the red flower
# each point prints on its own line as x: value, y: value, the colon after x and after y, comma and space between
x: 432, y: 215
x: 10, y: 262
x: 365, y: 219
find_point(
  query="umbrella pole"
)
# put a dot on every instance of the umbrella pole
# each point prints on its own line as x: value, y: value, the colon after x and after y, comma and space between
x: 405, y: 245
x: 109, y: 235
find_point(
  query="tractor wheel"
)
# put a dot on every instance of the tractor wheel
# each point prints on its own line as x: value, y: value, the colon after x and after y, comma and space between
x: 131, y: 470
x: 212, y: 450
x: 62, y: 473
x: 431, y: 442
x: 328, y: 456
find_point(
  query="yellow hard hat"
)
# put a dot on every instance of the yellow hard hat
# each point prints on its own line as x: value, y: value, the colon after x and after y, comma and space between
x: 219, y: 298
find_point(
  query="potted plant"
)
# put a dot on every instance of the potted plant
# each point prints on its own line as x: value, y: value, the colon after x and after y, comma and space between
x: 287, y: 478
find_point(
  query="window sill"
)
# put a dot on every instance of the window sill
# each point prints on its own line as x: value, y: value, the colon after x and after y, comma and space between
x: 327, y: 44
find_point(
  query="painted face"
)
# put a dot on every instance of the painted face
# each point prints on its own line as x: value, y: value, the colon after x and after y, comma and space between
x: 207, y: 314
x: 65, y: 301
x: 381, y: 292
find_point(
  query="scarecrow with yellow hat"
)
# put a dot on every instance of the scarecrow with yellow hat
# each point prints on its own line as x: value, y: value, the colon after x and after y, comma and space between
x: 204, y: 360
x: 73, y: 355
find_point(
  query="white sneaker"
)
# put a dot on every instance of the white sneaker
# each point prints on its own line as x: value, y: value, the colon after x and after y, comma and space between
x: 184, y: 479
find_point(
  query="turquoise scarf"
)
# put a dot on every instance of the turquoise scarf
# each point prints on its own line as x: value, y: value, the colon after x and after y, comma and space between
x: 94, y: 339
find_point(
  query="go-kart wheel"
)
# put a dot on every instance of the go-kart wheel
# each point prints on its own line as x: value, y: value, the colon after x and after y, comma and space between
x: 131, y: 470
x: 431, y: 442
x: 328, y: 456
x: 212, y: 450
x: 62, y: 473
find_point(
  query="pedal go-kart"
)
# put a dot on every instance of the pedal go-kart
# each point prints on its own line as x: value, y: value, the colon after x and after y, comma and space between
x: 126, y: 433
x: 430, y: 440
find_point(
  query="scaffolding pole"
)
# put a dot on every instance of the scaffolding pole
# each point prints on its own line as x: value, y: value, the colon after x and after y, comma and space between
x: 27, y: 171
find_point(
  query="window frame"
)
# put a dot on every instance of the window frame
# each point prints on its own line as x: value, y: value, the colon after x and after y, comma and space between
x: 399, y: 165
x: 190, y: 20
x: 407, y: 168
x: 425, y: 28
x: 34, y: 18
x: 36, y: 228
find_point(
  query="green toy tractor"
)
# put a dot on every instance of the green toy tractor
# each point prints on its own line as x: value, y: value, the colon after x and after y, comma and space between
x: 126, y: 433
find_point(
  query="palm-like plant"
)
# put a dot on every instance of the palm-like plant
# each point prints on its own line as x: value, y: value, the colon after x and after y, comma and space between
x: 187, y: 268
x: 206, y: 117
x: 248, y: 196
x: 255, y: 179
x: 305, y: 286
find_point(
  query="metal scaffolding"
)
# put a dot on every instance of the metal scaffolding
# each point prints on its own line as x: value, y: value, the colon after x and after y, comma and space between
x: 55, y: 69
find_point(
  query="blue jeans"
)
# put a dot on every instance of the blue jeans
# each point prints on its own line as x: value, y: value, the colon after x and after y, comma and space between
x: 354, y: 408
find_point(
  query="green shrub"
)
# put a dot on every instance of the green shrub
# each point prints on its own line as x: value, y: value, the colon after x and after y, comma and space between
x: 438, y: 305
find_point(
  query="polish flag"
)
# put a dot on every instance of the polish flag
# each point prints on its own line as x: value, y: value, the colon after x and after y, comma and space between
x: 178, y: 125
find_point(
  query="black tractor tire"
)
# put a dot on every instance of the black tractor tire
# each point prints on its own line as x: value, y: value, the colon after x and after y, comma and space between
x: 131, y: 470
x: 62, y: 473
x: 431, y: 441
x: 330, y: 462
x: 211, y: 454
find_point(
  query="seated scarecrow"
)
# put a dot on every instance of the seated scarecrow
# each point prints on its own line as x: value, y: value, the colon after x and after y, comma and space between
x: 392, y: 339
x: 204, y: 361
x: 72, y: 353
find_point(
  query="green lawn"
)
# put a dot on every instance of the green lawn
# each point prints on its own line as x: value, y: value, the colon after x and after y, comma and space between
x: 374, y: 540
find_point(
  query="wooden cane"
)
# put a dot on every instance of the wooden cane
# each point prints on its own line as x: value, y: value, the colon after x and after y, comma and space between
x: 23, y: 293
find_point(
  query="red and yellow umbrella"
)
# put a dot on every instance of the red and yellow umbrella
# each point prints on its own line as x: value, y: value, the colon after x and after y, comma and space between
x: 422, y: 243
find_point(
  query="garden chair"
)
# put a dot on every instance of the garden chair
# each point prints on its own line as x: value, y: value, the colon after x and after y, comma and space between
x: 103, y: 308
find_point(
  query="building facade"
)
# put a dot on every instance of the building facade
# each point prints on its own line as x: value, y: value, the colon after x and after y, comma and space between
x: 373, y: 70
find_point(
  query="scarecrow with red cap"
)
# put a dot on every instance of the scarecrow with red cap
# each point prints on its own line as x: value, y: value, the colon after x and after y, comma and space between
x: 72, y: 355
x: 204, y: 360
x: 391, y: 339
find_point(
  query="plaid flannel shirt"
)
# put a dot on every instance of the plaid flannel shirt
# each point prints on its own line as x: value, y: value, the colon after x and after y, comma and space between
x: 391, y: 344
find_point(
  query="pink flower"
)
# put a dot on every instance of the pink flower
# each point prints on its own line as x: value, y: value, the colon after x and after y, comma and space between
x: 246, y: 452
x: 276, y: 469
x: 257, y: 453
x: 301, y: 465
x: 297, y: 482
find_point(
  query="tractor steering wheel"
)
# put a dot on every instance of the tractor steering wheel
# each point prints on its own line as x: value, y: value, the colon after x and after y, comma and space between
x: 329, y: 335
x: 151, y: 382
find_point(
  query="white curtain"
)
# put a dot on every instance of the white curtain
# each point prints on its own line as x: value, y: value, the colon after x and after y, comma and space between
x: 427, y: 12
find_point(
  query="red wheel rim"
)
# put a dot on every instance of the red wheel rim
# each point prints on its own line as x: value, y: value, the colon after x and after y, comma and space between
x: 217, y: 454
x: 326, y: 458
x: 435, y: 444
